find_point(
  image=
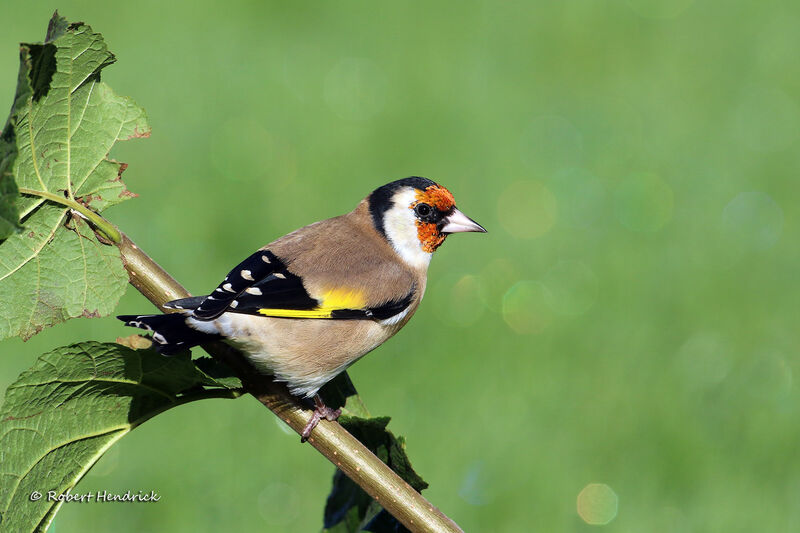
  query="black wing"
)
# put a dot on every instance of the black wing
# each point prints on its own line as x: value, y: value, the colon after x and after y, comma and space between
x: 262, y: 285
x: 260, y: 269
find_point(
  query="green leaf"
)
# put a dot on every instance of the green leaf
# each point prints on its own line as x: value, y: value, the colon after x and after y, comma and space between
x: 62, y: 414
x: 340, y: 392
x: 74, y: 276
x: 349, y: 508
x: 63, y: 123
x: 217, y: 372
x: 9, y: 215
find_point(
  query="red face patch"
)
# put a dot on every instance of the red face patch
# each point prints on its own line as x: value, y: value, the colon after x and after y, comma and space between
x: 429, y: 236
x: 440, y: 199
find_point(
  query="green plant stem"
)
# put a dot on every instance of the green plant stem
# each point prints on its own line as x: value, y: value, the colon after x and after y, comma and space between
x: 108, y: 229
x: 329, y: 438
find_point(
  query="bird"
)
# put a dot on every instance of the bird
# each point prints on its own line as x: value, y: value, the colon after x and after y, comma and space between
x: 308, y: 305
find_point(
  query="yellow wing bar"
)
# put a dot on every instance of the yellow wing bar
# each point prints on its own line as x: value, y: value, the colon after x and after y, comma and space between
x: 332, y: 300
x: 297, y: 313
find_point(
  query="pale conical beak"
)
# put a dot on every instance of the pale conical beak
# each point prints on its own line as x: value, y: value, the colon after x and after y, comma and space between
x: 458, y: 222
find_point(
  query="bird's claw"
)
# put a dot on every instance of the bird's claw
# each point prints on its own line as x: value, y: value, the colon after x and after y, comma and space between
x: 320, y: 411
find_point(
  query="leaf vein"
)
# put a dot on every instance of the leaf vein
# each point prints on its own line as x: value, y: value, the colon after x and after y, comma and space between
x: 35, y: 251
x: 69, y: 131
x: 33, y: 149
x: 13, y: 491
x: 95, y: 379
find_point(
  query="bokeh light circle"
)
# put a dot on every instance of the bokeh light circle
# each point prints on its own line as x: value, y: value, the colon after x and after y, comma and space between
x: 571, y: 288
x: 643, y: 202
x: 769, y: 377
x: 752, y: 221
x: 496, y: 277
x: 704, y: 359
x: 581, y: 197
x: 464, y: 306
x: 527, y: 209
x: 525, y: 309
x: 597, y: 504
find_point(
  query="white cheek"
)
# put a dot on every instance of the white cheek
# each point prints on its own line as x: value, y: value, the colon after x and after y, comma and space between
x: 400, y: 226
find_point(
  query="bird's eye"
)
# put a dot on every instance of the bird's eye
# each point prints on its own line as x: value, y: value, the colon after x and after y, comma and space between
x: 423, y: 210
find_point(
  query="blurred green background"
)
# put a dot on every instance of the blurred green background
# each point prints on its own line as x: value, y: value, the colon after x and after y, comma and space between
x: 620, y: 347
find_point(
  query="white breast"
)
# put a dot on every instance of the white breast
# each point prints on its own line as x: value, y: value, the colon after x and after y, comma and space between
x: 305, y: 353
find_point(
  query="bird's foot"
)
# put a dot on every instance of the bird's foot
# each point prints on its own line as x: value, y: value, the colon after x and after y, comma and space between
x: 320, y: 411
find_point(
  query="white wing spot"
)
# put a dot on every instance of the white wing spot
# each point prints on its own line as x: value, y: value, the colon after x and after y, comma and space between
x: 265, y: 259
x: 218, y: 290
x: 246, y: 274
x: 234, y: 304
x: 141, y: 325
x: 279, y: 275
x: 159, y: 338
x: 255, y: 291
x: 228, y: 287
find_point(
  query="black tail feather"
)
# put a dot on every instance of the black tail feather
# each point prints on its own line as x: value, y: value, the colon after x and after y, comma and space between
x: 193, y: 302
x: 171, y: 333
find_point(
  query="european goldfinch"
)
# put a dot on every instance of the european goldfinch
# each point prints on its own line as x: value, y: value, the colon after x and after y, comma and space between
x: 308, y: 305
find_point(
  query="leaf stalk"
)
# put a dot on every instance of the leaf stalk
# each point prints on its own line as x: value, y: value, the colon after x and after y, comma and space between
x: 108, y: 229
